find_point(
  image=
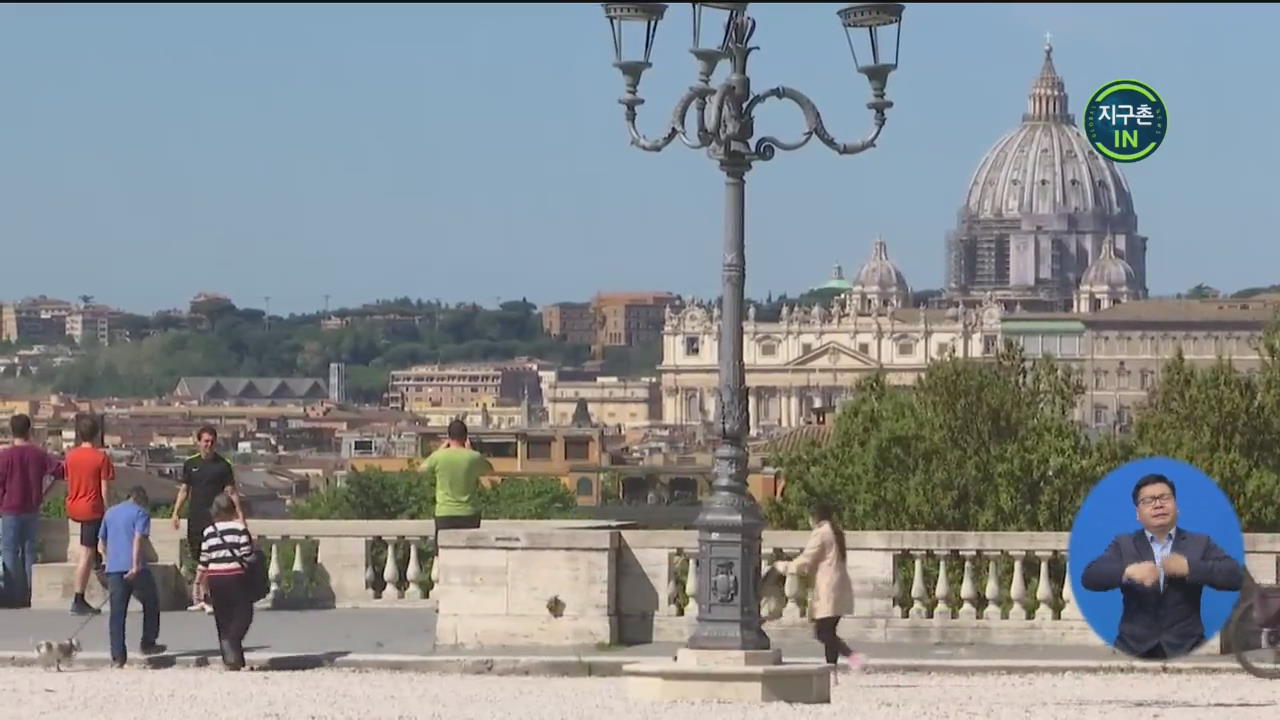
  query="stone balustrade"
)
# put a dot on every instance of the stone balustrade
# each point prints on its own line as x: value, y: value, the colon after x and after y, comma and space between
x: 929, y: 587
x: 311, y: 563
x: 575, y: 582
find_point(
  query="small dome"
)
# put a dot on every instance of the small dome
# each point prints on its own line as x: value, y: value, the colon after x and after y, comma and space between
x: 837, y: 281
x: 879, y: 274
x: 1109, y: 271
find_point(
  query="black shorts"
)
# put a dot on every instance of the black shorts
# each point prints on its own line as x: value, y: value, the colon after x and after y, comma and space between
x: 89, y: 530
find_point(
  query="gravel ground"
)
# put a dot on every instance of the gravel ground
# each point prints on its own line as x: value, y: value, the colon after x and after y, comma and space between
x: 128, y: 694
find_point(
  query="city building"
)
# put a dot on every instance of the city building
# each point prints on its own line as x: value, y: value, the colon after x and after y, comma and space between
x: 571, y: 322
x: 259, y: 390
x: 1121, y: 351
x: 338, y: 382
x: 575, y: 456
x: 397, y: 321
x: 1042, y: 209
x: 630, y: 319
x: 610, y: 400
x: 23, y: 322
x: 89, y: 322
x: 473, y: 386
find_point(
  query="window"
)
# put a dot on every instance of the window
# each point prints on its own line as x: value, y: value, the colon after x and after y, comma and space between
x: 496, y: 449
x: 1031, y: 344
x: 585, y: 487
x: 906, y: 348
x: 864, y: 348
x: 806, y: 348
x: 768, y: 349
x: 1122, y: 416
x: 539, y: 449
x: 1070, y: 346
x: 1099, y: 415
x: 362, y: 447
x: 941, y: 350
x: 1122, y: 379
x: 1099, y: 380
x: 577, y: 449
x: 989, y: 344
x: 692, y: 345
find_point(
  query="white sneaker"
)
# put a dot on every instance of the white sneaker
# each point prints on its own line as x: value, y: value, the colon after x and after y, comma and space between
x: 196, y: 606
x: 208, y: 609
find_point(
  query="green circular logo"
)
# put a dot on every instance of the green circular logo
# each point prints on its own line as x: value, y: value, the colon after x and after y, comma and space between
x: 1126, y: 120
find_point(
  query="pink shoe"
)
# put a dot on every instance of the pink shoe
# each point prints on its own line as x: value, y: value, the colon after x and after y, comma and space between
x: 855, y: 661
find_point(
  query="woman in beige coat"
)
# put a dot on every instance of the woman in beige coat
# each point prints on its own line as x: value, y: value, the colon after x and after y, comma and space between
x: 831, y: 595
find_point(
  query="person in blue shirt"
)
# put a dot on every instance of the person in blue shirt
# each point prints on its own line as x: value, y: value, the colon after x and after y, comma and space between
x: 123, y: 541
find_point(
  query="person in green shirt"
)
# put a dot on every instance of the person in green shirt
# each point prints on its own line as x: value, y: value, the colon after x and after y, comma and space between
x: 456, y: 469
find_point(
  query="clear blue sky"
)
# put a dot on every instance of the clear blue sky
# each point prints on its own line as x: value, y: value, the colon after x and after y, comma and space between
x: 148, y: 152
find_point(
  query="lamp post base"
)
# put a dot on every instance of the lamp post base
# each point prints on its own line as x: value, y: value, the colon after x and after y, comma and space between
x: 756, y: 676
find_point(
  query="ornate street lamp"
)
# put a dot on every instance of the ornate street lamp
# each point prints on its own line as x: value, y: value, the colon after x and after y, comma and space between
x: 730, y: 522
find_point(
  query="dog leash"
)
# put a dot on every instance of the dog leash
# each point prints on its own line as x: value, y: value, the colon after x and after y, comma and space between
x: 90, y: 619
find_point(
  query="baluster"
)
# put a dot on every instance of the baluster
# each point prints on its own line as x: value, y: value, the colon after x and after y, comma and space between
x: 413, y: 572
x: 993, y: 589
x: 1069, y: 608
x: 1018, y: 591
x: 298, y: 573
x: 370, y: 575
x: 435, y: 565
x: 691, y: 585
x: 968, y: 590
x: 918, y: 593
x: 391, y: 573
x: 942, y: 591
x: 673, y: 584
x: 1044, y: 593
x: 273, y: 571
x: 794, y: 591
x: 894, y: 604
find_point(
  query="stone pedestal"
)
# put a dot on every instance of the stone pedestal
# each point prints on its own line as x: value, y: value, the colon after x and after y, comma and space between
x: 513, y: 588
x: 752, y: 676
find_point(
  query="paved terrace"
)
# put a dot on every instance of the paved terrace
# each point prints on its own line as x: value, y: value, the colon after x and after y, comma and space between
x: 404, y: 638
x: 118, y: 695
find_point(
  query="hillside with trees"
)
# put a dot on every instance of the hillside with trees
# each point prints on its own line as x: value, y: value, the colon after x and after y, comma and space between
x: 217, y: 338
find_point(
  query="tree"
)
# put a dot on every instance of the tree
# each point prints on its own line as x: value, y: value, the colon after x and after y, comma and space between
x: 1202, y: 291
x: 973, y: 446
x: 1224, y: 422
x: 581, y: 416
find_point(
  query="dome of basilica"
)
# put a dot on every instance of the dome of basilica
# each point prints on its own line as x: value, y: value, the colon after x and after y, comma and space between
x: 1045, y: 165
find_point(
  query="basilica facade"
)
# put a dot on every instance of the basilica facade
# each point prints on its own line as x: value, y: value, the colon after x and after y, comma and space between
x: 812, y: 357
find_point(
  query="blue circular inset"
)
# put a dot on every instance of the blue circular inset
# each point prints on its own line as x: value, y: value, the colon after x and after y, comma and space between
x: 1125, y: 121
x: 1109, y: 511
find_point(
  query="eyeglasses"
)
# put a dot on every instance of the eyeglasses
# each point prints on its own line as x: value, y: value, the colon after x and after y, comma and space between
x: 1164, y: 499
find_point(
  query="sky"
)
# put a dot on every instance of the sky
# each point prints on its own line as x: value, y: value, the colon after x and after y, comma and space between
x: 477, y: 153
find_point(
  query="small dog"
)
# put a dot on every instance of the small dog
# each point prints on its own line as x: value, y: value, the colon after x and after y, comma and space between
x: 52, y: 653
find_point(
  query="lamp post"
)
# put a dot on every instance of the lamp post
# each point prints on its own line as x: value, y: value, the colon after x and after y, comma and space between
x: 730, y: 523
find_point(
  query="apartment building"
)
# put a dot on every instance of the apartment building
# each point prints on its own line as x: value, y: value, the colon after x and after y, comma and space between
x: 462, y: 386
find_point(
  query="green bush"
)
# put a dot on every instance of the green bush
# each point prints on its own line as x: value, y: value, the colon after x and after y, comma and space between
x: 382, y: 495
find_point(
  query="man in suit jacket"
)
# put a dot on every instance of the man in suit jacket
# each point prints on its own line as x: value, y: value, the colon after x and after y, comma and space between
x: 1161, y: 571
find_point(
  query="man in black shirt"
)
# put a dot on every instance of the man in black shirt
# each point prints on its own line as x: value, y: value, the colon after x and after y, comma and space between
x: 205, y: 476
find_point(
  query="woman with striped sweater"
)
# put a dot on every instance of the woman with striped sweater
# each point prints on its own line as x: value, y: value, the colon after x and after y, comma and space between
x: 225, y: 551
